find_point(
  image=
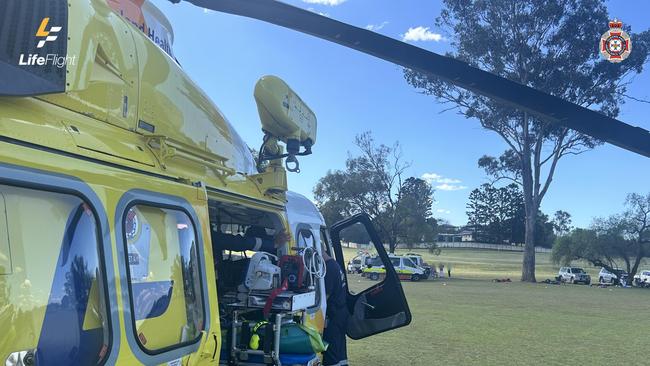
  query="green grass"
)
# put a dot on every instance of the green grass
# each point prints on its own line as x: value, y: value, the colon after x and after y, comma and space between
x: 470, y: 320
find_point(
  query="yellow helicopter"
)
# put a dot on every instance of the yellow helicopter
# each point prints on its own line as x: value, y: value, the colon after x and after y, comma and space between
x: 116, y: 171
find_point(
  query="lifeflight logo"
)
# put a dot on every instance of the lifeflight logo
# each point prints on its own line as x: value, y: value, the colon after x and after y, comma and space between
x: 41, y: 32
x: 53, y: 59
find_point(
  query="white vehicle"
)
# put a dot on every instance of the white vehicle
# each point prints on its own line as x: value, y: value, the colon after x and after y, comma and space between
x: 417, y: 259
x: 404, y: 266
x: 574, y: 275
x: 605, y: 276
x: 643, y: 278
x: 354, y: 265
x: 358, y: 263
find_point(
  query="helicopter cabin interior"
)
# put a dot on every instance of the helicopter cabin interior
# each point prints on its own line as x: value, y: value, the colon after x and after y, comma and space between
x: 262, y: 287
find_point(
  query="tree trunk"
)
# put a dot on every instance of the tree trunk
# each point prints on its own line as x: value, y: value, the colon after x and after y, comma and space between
x: 637, y: 261
x: 530, y: 205
x: 528, y: 268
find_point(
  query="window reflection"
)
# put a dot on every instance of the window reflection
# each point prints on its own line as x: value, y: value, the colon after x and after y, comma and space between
x: 54, y: 293
x: 164, y: 277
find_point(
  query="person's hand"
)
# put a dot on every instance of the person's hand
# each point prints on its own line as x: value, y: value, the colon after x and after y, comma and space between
x: 281, y: 238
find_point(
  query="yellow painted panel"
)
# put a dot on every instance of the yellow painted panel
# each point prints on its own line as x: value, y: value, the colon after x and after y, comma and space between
x: 106, y: 69
x: 177, y: 108
x: 111, y: 140
x: 32, y: 120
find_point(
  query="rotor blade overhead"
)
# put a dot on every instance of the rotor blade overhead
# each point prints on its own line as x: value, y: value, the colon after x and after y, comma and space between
x: 551, y: 108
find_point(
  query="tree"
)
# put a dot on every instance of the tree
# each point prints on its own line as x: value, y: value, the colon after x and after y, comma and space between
x: 334, y: 210
x: 584, y: 244
x: 635, y: 224
x: 370, y: 183
x: 547, y: 45
x: 414, y: 206
x: 611, y: 242
x: 561, y: 223
x: 497, y: 213
x: 544, y: 235
x: 498, y: 216
x: 598, y: 248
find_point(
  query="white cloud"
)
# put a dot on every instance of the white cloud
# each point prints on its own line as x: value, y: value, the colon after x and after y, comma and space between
x: 449, y: 180
x: 443, y: 211
x: 437, y: 178
x: 421, y: 33
x: 376, y: 27
x: 450, y: 187
x: 445, y: 184
x: 325, y: 2
x: 431, y: 177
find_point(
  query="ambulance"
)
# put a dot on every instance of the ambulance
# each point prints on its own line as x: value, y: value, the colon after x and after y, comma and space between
x: 404, y: 266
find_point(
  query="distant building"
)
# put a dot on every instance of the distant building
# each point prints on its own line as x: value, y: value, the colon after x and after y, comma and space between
x: 455, y: 234
x: 466, y: 235
x: 449, y: 238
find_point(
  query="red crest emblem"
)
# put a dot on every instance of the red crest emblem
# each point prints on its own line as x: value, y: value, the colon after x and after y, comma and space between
x: 615, y: 44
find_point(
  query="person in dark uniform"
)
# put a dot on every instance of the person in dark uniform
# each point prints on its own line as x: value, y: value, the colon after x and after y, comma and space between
x: 336, y: 317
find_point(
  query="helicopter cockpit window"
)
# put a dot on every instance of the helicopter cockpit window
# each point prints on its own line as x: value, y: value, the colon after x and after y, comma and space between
x: 164, y: 274
x: 52, y: 285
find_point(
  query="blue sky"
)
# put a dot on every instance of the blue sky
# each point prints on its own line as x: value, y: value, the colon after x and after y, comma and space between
x: 352, y: 92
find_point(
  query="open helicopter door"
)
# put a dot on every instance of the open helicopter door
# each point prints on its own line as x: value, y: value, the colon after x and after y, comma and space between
x: 382, y: 306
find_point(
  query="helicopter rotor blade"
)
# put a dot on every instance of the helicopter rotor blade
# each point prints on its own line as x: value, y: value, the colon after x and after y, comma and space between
x: 553, y: 109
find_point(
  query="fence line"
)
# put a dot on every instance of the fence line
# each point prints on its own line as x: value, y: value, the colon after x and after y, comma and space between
x: 463, y: 244
x: 500, y: 247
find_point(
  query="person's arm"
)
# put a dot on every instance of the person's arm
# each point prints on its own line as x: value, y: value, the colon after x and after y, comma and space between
x: 332, y: 277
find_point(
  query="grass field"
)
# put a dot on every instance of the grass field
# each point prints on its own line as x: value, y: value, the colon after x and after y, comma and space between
x: 470, y: 320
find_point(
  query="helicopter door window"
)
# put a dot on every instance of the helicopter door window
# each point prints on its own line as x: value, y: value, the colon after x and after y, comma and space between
x: 54, y: 302
x: 376, y: 300
x: 164, y: 277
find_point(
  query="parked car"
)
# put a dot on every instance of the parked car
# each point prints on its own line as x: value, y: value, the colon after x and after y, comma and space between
x: 354, y: 265
x: 605, y: 276
x: 642, y: 279
x: 417, y: 259
x: 574, y: 275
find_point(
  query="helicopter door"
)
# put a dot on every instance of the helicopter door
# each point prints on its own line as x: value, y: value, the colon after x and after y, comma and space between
x: 375, y: 307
